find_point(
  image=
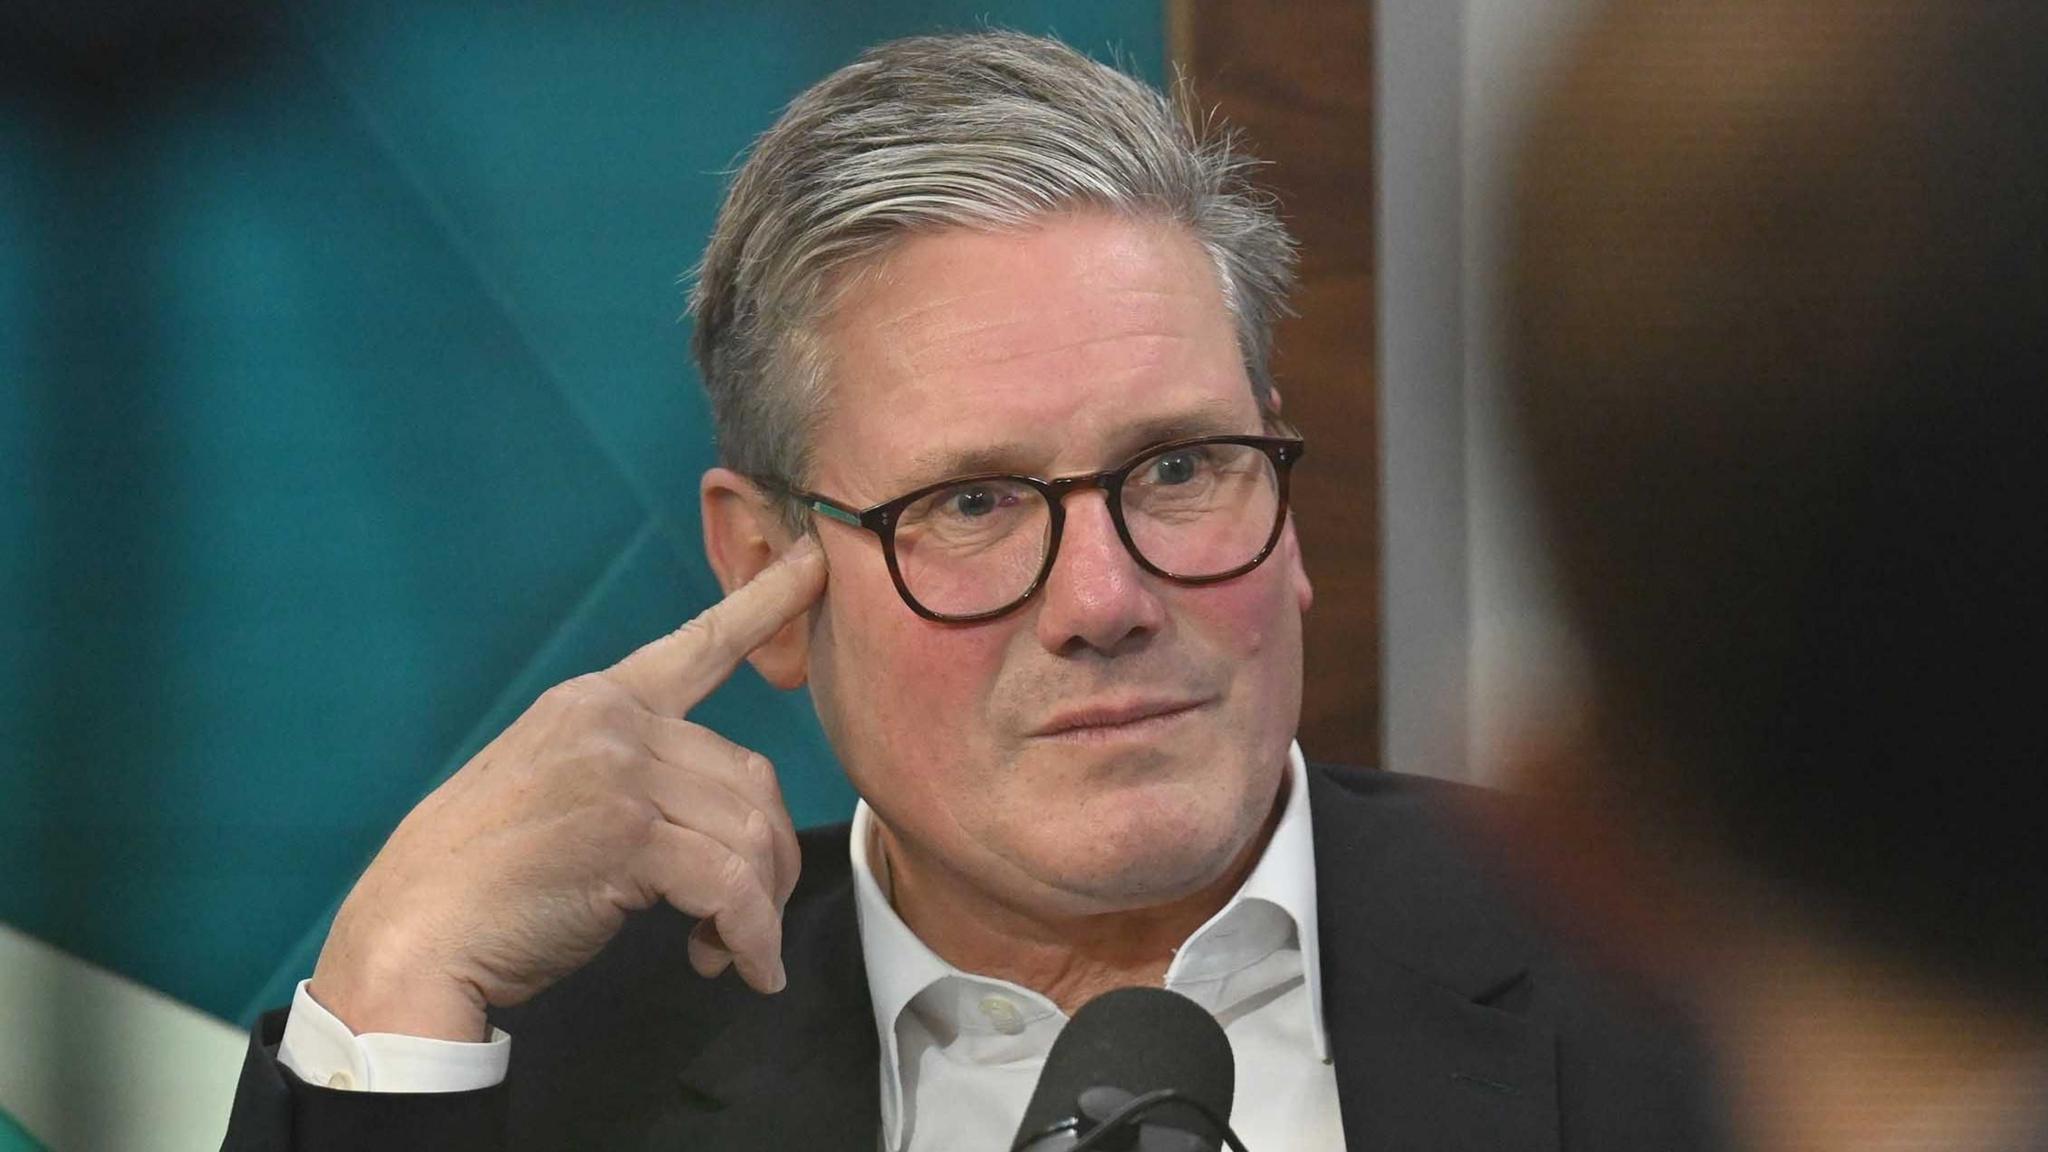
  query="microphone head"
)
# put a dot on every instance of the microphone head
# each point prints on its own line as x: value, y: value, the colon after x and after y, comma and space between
x: 1139, y: 1040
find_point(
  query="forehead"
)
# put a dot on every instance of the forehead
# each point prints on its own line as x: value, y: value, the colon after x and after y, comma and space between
x: 1053, y: 348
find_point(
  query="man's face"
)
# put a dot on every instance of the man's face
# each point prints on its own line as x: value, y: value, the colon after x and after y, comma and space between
x: 1053, y: 351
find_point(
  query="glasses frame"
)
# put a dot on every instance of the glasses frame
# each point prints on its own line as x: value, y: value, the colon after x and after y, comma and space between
x: 882, y: 519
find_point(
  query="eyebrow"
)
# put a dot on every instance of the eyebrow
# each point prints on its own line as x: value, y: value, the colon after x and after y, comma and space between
x: 1214, y: 418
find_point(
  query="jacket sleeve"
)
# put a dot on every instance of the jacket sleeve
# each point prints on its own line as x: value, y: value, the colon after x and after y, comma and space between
x: 275, y: 1111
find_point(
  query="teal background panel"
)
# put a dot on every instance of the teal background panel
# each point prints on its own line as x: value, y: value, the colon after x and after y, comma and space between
x: 14, y: 1139
x: 347, y: 406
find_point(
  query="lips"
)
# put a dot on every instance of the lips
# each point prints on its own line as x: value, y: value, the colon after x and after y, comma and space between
x: 1112, y: 718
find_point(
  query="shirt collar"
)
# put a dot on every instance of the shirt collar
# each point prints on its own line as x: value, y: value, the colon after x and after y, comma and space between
x: 900, y: 966
x: 1285, y: 879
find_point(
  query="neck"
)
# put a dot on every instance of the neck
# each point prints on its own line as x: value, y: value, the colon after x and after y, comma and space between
x: 1068, y: 959
x: 1829, y: 1053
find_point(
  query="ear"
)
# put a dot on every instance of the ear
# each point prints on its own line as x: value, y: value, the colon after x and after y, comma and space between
x: 744, y: 533
x: 1290, y: 543
x: 1304, y: 592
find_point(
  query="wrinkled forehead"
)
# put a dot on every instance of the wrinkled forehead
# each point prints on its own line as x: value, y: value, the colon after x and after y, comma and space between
x: 1056, y: 347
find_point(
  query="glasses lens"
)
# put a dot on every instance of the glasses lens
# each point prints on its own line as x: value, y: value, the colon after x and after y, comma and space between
x: 1202, y: 509
x: 972, y: 547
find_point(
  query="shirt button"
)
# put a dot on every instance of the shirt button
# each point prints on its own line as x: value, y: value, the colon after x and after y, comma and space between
x: 1002, y: 1014
x: 341, y: 1080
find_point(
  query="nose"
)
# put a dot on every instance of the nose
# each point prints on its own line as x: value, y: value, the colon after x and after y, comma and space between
x: 1096, y: 596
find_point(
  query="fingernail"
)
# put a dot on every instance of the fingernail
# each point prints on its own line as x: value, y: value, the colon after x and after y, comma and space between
x: 781, y: 978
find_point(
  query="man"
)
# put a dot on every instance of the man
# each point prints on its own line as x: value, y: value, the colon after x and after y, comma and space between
x: 955, y: 266
x: 1781, y: 333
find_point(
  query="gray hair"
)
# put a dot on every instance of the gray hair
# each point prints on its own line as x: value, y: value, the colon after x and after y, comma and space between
x: 989, y: 131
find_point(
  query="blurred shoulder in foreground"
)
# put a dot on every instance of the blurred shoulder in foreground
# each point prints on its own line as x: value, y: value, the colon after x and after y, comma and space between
x: 1778, y: 341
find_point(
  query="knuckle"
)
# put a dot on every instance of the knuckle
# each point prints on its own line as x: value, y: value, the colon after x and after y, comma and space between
x: 735, y: 878
x: 562, y: 697
x: 578, y: 689
x: 599, y: 765
x: 627, y: 891
x: 759, y: 835
x: 614, y: 748
x: 704, y: 631
x: 588, y: 698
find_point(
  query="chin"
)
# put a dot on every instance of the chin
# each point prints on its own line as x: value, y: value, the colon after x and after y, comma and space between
x: 1150, y: 879
x: 1150, y: 851
x: 1157, y: 880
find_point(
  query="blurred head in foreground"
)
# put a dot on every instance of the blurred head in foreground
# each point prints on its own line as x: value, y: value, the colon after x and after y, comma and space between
x: 1780, y: 367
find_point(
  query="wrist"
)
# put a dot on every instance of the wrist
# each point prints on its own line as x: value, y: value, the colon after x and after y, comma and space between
x: 372, y: 987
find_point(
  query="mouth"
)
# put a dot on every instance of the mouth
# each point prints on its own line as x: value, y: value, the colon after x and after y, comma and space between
x: 1120, y: 720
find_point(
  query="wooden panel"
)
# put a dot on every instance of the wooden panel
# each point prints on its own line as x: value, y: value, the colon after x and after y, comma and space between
x: 1296, y: 78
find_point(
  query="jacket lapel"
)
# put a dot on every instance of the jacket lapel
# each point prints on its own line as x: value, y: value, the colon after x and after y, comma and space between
x: 1423, y: 981
x: 794, y: 1070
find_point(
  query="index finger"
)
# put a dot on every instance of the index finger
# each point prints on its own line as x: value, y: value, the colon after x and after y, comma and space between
x: 672, y: 674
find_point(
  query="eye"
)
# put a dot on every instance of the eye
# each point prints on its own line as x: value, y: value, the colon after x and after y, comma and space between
x: 1176, y: 467
x: 989, y: 505
x: 974, y: 503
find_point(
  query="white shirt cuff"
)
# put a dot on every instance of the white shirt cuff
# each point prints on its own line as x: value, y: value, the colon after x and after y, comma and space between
x: 320, y: 1049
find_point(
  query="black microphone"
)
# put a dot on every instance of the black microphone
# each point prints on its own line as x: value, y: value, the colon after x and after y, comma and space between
x: 1139, y: 1070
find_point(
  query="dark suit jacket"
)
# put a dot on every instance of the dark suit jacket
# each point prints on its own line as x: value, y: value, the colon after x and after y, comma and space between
x: 1452, y: 1025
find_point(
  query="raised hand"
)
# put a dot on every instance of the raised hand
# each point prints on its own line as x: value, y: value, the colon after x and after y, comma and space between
x: 601, y: 799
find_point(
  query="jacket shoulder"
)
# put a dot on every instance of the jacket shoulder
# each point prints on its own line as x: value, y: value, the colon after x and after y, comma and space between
x: 1427, y: 878
x: 1387, y: 786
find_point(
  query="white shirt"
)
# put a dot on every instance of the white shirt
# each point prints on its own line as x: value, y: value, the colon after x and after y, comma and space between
x: 961, y: 1053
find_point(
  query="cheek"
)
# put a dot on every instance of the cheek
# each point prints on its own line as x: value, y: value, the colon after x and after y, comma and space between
x: 1253, y: 618
x: 896, y: 691
x: 1252, y: 628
